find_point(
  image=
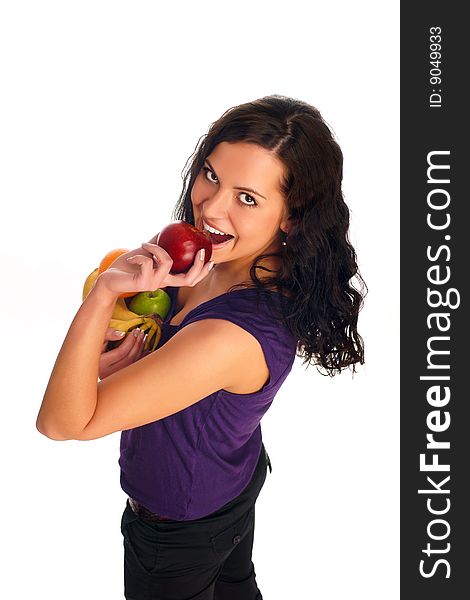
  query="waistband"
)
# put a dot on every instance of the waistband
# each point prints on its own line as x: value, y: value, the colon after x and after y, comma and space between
x: 144, y: 513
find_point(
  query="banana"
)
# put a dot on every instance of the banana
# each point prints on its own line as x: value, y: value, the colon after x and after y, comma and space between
x: 89, y: 282
x: 122, y: 313
x: 144, y: 323
x: 124, y: 319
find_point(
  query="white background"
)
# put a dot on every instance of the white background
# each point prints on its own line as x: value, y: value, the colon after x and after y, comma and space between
x: 102, y: 103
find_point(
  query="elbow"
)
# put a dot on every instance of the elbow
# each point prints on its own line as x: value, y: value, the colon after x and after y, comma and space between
x: 52, y: 435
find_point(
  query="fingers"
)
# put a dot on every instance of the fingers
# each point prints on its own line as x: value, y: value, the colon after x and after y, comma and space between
x: 129, y: 346
x: 160, y: 254
x: 138, y: 347
x: 150, y: 275
x: 204, y: 270
x: 131, y: 350
x: 112, y: 335
x: 148, y: 278
x: 198, y: 270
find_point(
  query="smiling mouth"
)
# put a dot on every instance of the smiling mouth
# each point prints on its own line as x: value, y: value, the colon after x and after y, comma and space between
x: 219, y: 240
x: 215, y: 238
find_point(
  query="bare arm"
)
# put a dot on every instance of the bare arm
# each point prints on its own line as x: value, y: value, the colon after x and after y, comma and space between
x: 200, y: 359
x: 71, y: 394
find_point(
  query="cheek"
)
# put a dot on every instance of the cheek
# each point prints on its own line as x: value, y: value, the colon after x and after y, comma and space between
x: 195, y: 195
x: 251, y: 231
x: 197, y: 191
x: 259, y: 230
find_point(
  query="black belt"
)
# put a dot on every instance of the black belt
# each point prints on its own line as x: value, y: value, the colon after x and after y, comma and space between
x: 143, y: 512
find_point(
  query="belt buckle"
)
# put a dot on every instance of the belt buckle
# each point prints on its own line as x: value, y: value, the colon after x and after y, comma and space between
x: 134, y: 506
x: 268, y: 461
x: 143, y: 512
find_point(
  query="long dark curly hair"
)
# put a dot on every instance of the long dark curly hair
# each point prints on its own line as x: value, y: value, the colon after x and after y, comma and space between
x: 319, y: 304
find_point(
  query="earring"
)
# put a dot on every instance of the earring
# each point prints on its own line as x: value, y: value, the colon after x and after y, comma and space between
x: 284, y: 242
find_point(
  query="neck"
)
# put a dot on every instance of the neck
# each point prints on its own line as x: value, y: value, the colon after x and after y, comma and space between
x: 224, y: 275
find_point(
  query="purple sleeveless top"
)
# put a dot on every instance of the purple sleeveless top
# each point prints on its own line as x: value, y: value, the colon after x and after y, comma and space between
x: 192, y: 463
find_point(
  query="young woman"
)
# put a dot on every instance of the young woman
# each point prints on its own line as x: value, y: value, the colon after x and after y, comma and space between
x: 266, y: 179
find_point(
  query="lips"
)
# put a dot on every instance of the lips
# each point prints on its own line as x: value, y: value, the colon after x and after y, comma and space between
x: 216, y: 246
x: 201, y: 226
x: 215, y: 238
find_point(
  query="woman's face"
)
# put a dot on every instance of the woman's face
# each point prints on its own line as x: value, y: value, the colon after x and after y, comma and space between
x: 238, y: 192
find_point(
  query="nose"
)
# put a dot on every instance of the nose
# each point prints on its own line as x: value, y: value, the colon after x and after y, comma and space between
x: 215, y: 207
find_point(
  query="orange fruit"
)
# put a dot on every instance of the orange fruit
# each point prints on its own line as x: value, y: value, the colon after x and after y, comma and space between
x: 108, y: 260
x: 110, y: 257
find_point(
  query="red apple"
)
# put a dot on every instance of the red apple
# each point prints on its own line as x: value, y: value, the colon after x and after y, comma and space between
x: 182, y: 241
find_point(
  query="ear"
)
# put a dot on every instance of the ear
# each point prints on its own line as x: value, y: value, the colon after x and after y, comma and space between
x: 286, y: 223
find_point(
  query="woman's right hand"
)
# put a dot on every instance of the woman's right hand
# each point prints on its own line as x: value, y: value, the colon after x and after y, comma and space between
x: 129, y: 351
x: 121, y: 261
x: 131, y: 348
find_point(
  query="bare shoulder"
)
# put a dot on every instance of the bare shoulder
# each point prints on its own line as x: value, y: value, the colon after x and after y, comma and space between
x: 240, y: 349
x: 251, y: 372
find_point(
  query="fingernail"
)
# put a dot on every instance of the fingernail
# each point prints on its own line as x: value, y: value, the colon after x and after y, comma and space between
x: 119, y: 333
x: 211, y: 264
x: 136, y: 332
x: 201, y: 254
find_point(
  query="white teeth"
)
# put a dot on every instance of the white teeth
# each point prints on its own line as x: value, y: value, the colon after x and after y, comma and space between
x: 213, y: 230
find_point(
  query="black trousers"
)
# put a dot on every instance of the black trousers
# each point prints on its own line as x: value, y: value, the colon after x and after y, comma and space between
x: 203, y: 559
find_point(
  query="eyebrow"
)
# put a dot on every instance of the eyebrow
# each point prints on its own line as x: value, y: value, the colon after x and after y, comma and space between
x: 237, y: 187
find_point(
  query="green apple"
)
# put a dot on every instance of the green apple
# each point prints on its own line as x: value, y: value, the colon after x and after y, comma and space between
x: 148, y: 303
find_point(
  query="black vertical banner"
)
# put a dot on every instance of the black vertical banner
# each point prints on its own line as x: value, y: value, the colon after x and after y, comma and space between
x: 434, y: 262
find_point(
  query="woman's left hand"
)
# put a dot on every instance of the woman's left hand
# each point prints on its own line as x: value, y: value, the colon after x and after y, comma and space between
x: 129, y: 351
x: 136, y: 273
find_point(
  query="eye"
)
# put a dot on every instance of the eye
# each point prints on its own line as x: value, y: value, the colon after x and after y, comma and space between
x: 207, y: 170
x: 252, y: 200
